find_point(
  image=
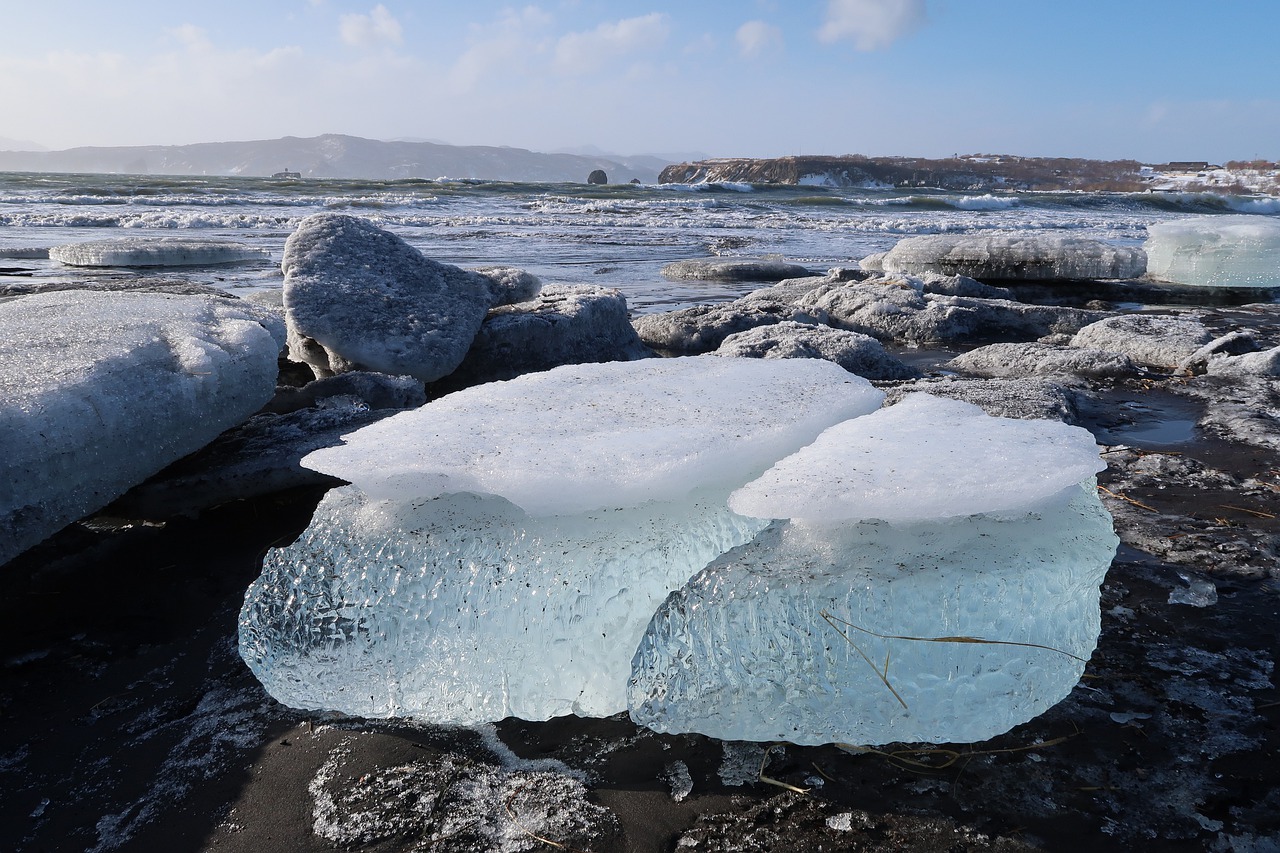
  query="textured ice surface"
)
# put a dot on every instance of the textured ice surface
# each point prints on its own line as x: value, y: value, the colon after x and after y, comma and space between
x: 1013, y: 257
x: 1217, y: 251
x: 98, y: 391
x: 155, y: 252
x: 423, y: 590
x: 586, y: 436
x: 925, y: 458
x: 743, y: 651
x: 464, y: 609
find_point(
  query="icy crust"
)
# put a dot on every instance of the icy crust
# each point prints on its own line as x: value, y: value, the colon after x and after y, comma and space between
x: 744, y: 651
x: 464, y: 609
x: 98, y: 391
x: 925, y: 458
x: 155, y: 252
x: 581, y: 437
x: 1216, y: 251
x: 1012, y: 256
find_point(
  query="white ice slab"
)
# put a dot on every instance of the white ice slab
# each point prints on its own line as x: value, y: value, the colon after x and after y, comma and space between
x: 581, y: 437
x: 1216, y: 251
x: 155, y: 252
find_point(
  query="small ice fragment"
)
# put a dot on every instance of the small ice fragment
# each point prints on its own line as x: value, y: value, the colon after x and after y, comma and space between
x: 681, y: 782
x: 1199, y: 592
x: 1126, y: 718
x: 842, y: 822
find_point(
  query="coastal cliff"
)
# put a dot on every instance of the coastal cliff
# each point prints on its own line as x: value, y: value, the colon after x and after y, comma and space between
x: 960, y: 173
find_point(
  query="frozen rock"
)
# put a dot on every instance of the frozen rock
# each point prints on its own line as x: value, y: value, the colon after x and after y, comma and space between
x: 155, y: 252
x: 860, y: 354
x: 1022, y: 257
x: 510, y: 284
x: 1027, y: 398
x: 1151, y: 339
x: 899, y: 309
x: 853, y: 623
x: 581, y: 437
x: 360, y: 298
x: 1216, y: 251
x: 564, y: 324
x: 734, y: 269
x: 1038, y: 359
x: 503, y: 547
x: 1264, y: 363
x: 84, y: 375
x: 29, y: 286
x: 960, y: 285
x: 703, y: 328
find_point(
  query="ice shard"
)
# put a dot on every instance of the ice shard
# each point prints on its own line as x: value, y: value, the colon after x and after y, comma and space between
x: 932, y: 575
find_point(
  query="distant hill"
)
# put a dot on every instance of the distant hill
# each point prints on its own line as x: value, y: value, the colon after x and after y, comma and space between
x: 335, y: 156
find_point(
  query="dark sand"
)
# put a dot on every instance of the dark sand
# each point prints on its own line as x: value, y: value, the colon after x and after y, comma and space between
x: 130, y: 723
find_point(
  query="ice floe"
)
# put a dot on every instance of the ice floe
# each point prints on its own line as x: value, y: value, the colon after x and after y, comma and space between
x: 1216, y: 251
x: 1025, y: 257
x: 155, y: 252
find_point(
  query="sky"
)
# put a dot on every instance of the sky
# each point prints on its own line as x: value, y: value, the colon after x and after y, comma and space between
x: 1151, y: 80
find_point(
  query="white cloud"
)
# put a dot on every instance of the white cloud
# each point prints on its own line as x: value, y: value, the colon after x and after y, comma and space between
x: 872, y: 24
x: 757, y: 37
x: 377, y: 27
x: 501, y: 48
x: 580, y: 53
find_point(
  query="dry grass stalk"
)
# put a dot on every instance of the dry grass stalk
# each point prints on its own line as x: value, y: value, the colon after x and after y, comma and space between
x: 1127, y: 499
x: 769, y: 780
x: 511, y: 814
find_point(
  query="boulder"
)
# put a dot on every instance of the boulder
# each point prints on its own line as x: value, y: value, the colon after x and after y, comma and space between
x: 563, y: 324
x: 860, y: 354
x: 1157, y: 340
x: 1027, y: 399
x: 357, y: 297
x: 597, y: 176
x: 703, y: 328
x: 1040, y: 359
x: 1012, y: 257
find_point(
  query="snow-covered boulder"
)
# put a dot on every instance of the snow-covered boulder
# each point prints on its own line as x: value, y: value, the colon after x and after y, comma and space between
x: 938, y: 581
x: 1216, y: 251
x: 860, y: 354
x: 357, y: 297
x: 1263, y: 363
x: 98, y: 391
x: 563, y: 324
x: 703, y: 328
x: 1152, y: 339
x: 733, y: 269
x: 1037, y: 359
x: 155, y: 252
x: 1025, y: 398
x: 502, y: 548
x: 510, y: 284
x: 1012, y: 257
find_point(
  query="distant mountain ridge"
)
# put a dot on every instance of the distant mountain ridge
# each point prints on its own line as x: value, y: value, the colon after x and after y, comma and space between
x: 335, y: 156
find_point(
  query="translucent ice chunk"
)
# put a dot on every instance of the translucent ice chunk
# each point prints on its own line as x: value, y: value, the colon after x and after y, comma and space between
x: 155, y: 252
x: 463, y: 609
x: 1217, y: 251
x: 924, y: 458
x: 586, y: 436
x: 762, y: 644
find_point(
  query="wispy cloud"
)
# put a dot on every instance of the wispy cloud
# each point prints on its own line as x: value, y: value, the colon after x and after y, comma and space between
x: 379, y: 27
x: 872, y: 24
x: 583, y: 52
x: 756, y: 38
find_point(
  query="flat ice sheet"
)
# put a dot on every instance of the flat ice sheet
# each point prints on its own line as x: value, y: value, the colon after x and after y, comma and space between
x: 924, y: 458
x: 1216, y: 251
x: 587, y: 436
x: 155, y: 252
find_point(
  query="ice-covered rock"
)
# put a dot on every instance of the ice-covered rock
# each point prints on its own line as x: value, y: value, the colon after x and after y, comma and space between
x: 1216, y: 251
x: 1263, y: 363
x: 1038, y: 359
x: 155, y: 252
x: 899, y: 309
x: 939, y: 583
x: 1153, y: 339
x: 563, y: 324
x: 510, y: 284
x: 503, y: 547
x: 733, y: 269
x: 98, y: 391
x: 860, y: 354
x: 358, y: 297
x: 1027, y: 398
x: 1013, y: 257
x: 703, y: 328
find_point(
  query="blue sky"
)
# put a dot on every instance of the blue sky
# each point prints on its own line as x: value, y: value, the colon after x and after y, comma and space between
x: 1152, y: 80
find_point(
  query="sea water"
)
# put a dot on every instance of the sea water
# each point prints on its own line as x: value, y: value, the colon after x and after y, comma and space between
x: 611, y: 235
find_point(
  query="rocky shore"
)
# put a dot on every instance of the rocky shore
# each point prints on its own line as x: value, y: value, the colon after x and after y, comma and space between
x: 130, y: 722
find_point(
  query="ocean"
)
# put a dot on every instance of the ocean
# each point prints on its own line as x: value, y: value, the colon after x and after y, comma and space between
x: 613, y: 235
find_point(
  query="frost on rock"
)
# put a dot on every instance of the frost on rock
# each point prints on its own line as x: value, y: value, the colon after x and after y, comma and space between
x: 1037, y: 359
x: 860, y: 354
x: 84, y: 374
x: 1151, y: 339
x: 155, y: 252
x: 503, y: 547
x: 1216, y: 251
x: 358, y: 297
x: 804, y: 635
x: 1012, y: 257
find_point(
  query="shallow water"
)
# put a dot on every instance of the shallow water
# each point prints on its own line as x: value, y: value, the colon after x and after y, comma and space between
x: 614, y: 235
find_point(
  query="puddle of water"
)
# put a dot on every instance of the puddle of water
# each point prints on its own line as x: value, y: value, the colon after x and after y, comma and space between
x: 1158, y: 421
